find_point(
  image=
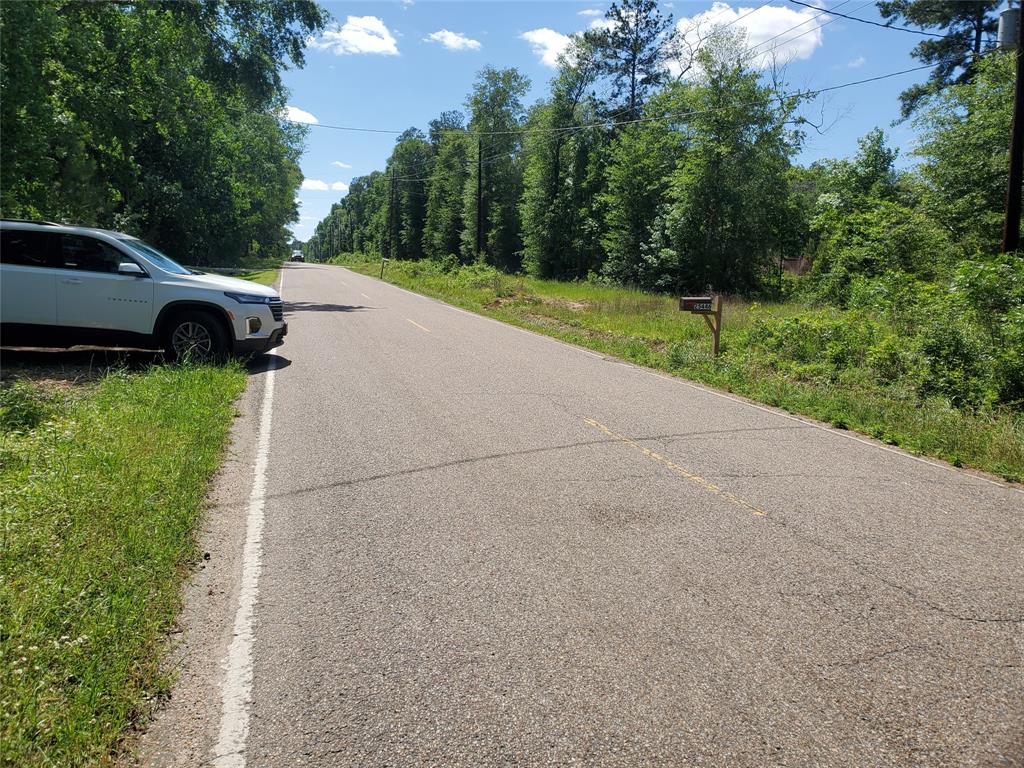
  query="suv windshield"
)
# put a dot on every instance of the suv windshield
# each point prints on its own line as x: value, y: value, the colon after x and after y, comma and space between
x: 147, y: 251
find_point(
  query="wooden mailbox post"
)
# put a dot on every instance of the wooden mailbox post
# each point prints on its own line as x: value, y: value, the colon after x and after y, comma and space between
x: 708, y: 306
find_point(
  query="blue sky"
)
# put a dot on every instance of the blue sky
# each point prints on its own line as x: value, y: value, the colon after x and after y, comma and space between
x: 392, y: 65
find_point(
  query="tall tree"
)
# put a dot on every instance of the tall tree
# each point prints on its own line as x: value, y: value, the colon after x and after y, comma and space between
x: 731, y: 212
x: 966, y: 27
x: 964, y: 132
x: 496, y: 109
x: 442, y: 228
x: 634, y: 47
x: 558, y: 185
x: 410, y: 164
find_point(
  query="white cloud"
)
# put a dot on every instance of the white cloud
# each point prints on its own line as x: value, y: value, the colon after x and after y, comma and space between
x: 547, y: 44
x: 340, y: 164
x: 453, y: 41
x: 299, y: 115
x: 590, y: 12
x: 799, y: 32
x: 359, y: 34
x: 317, y: 185
x: 860, y: 61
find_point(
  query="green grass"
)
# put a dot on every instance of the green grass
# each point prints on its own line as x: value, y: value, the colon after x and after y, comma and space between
x: 650, y: 330
x: 263, y: 277
x: 100, y: 490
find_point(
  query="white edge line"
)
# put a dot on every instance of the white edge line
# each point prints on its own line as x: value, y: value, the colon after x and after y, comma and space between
x: 236, y: 685
x: 710, y: 391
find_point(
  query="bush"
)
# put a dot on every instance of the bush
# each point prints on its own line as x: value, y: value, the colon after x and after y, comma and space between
x: 884, y: 236
x: 954, y: 364
x: 840, y: 342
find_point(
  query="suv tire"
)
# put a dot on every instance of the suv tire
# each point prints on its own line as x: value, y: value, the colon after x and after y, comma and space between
x: 195, y: 336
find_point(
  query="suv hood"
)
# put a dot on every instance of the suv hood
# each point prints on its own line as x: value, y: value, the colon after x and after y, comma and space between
x: 224, y: 283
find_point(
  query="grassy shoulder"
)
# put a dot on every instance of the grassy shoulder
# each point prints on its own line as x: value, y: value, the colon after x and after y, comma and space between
x: 100, y: 490
x: 262, y: 276
x: 833, y: 365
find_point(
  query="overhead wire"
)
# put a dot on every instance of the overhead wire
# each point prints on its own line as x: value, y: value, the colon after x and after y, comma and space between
x: 896, y: 27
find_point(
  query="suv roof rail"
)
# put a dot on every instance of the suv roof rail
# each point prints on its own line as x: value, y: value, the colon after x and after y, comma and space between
x: 33, y: 221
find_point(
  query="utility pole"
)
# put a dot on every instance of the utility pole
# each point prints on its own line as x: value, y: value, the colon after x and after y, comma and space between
x: 391, y: 218
x: 479, y: 197
x: 1011, y: 224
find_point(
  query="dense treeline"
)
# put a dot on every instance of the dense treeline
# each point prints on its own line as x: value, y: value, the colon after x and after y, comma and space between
x: 157, y: 118
x: 629, y: 174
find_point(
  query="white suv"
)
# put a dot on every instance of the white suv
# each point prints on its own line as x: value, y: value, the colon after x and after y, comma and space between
x: 61, y: 286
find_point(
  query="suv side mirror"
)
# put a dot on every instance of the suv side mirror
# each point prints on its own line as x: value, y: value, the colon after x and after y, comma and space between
x: 130, y: 268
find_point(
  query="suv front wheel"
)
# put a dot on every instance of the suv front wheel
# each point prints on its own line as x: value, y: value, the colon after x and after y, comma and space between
x: 195, y: 336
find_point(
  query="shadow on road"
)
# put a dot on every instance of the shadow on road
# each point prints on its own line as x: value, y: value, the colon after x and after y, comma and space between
x: 265, y: 363
x: 309, y: 306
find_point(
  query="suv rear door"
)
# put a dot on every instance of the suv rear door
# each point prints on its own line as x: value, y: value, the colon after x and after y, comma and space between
x: 91, y: 294
x: 28, y: 276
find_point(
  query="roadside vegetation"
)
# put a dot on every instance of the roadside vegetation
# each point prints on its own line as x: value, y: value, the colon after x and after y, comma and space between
x: 911, y: 379
x: 261, y: 276
x: 101, y: 485
x: 861, y: 291
x: 162, y: 120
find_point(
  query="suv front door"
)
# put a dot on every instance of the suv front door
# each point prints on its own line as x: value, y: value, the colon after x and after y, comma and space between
x: 91, y: 294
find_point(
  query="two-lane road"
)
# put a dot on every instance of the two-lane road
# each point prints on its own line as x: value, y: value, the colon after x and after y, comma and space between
x: 482, y: 547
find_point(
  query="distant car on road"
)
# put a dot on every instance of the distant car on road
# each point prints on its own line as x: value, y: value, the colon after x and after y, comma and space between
x: 297, y: 256
x: 65, y: 285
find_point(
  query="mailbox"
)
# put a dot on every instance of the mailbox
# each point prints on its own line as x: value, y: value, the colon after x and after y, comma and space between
x: 702, y: 305
x: 708, y: 307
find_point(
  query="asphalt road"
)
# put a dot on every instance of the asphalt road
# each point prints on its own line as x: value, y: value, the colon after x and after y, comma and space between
x: 486, y: 548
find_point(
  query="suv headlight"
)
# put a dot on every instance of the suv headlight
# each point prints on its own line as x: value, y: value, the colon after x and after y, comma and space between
x: 251, y: 298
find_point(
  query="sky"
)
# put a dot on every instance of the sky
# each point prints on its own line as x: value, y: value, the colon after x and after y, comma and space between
x: 395, y: 64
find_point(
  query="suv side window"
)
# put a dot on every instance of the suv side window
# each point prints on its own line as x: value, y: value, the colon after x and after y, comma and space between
x: 87, y: 254
x: 28, y: 248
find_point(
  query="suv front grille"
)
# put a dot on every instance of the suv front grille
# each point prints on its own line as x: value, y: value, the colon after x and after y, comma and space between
x: 277, y: 310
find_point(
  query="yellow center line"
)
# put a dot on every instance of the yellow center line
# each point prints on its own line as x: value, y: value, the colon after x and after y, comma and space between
x: 418, y: 325
x: 707, y: 485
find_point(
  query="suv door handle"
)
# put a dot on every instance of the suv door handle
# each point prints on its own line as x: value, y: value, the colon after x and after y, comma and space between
x: 70, y: 281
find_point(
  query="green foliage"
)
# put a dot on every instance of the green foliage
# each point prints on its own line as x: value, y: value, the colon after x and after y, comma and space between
x: 731, y: 214
x: 633, y: 50
x: 495, y: 107
x: 442, y: 229
x: 876, y: 237
x: 638, y: 175
x: 98, y: 505
x: 157, y: 119
x: 964, y: 146
x: 962, y: 30
x: 562, y: 177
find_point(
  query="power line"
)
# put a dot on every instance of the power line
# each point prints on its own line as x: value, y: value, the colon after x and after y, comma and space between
x: 599, y: 123
x: 887, y: 26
